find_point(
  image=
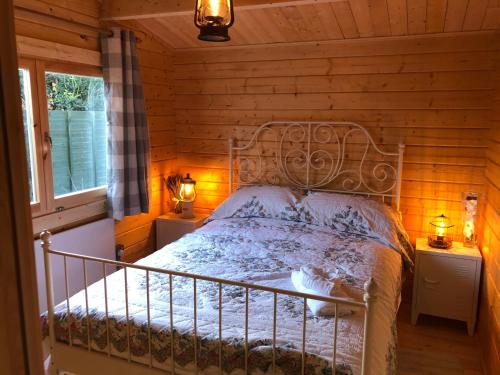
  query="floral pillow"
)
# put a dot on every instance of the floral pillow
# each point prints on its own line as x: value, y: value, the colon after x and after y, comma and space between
x: 265, y: 201
x: 359, y: 215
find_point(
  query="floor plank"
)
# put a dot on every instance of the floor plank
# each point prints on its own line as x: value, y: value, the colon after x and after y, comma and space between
x: 436, y: 346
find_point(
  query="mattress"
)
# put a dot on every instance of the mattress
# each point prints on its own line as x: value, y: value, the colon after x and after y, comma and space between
x: 254, y: 250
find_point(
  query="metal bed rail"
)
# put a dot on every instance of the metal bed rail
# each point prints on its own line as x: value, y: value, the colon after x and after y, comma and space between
x: 369, y: 298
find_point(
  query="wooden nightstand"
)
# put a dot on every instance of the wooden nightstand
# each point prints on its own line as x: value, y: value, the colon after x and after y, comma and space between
x: 171, y: 227
x: 446, y: 282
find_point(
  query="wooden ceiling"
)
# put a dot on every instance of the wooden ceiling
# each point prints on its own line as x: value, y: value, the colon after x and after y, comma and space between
x: 284, y: 21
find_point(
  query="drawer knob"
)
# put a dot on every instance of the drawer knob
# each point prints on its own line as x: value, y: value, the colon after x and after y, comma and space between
x: 430, y: 281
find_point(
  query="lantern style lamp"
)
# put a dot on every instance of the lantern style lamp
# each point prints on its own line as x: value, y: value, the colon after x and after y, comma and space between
x: 439, y: 228
x: 214, y: 18
x: 187, y: 196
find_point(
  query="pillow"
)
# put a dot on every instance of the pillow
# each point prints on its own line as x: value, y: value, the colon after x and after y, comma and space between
x: 266, y: 201
x: 360, y: 215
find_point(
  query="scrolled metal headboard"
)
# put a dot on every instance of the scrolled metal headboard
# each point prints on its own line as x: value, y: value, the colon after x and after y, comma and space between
x: 328, y: 156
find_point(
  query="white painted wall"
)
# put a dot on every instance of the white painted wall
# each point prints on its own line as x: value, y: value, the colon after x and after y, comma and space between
x: 94, y: 239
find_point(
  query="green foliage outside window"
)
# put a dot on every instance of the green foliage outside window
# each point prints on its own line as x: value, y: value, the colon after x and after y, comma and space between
x: 68, y: 92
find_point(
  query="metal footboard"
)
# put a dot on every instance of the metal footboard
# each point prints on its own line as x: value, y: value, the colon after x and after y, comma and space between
x: 366, y: 305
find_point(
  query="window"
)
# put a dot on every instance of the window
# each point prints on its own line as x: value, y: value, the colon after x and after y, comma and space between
x: 77, y: 124
x: 65, y: 132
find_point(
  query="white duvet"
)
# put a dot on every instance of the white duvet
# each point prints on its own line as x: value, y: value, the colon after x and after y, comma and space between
x: 255, y: 250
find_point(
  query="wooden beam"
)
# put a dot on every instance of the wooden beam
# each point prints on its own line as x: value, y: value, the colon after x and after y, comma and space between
x: 31, y: 47
x: 115, y: 10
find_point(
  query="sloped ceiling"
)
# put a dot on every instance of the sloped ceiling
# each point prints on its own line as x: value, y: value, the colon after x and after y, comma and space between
x: 279, y: 21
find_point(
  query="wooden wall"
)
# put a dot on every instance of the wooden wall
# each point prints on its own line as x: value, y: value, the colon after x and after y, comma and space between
x: 432, y: 93
x: 69, y: 22
x: 75, y: 23
x: 489, y: 318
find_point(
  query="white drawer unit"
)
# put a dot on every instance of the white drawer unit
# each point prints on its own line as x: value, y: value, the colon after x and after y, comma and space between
x: 171, y: 227
x: 446, y: 282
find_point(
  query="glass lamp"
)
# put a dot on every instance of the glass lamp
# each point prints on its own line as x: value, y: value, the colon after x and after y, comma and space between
x: 470, y: 211
x: 187, y: 195
x: 439, y: 228
x: 214, y: 18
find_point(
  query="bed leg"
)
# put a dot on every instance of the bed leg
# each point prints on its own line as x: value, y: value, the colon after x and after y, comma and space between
x: 369, y: 297
x: 45, y: 244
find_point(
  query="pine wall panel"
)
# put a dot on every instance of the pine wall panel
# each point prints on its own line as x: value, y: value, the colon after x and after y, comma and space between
x: 432, y: 93
x: 489, y: 318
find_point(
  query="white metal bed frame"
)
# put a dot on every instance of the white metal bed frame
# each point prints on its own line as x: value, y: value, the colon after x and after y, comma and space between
x: 311, y: 135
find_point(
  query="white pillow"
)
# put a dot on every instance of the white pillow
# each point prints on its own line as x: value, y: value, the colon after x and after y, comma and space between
x: 265, y: 201
x: 361, y: 215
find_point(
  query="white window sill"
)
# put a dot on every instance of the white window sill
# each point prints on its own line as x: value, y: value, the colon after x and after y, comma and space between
x: 69, y: 217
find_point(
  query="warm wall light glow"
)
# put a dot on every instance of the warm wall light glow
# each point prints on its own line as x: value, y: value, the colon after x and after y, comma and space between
x: 214, y: 18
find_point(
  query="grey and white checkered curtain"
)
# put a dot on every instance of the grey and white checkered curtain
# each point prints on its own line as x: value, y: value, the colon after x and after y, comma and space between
x: 128, y: 139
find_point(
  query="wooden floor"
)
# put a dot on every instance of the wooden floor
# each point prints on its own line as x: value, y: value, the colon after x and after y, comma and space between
x: 436, y: 346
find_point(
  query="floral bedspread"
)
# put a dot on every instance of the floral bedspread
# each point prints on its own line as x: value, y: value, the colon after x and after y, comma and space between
x: 255, y: 250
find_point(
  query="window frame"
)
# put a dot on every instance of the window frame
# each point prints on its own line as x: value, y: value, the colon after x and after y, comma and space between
x: 48, y: 203
x: 39, y: 206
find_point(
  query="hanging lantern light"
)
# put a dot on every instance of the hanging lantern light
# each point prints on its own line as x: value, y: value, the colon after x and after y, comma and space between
x: 439, y: 232
x: 214, y: 18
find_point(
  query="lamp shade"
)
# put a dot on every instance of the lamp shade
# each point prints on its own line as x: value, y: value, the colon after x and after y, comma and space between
x: 214, y: 18
x: 438, y: 237
x: 187, y: 192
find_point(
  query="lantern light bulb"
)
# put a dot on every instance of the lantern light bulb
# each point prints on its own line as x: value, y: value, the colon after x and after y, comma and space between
x: 213, y: 7
x: 441, y: 229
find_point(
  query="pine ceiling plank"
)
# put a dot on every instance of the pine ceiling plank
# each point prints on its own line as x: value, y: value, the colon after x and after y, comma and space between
x: 248, y: 30
x: 361, y: 13
x: 345, y: 19
x: 436, y: 13
x: 126, y: 9
x: 286, y: 27
x: 179, y: 37
x: 492, y: 19
x: 455, y: 15
x: 328, y: 24
x: 476, y: 11
x: 417, y: 15
x: 380, y: 17
x: 158, y: 30
x: 269, y: 27
x: 237, y: 35
x: 398, y: 17
x: 300, y: 26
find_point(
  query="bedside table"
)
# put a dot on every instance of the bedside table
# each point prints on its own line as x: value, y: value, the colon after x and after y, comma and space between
x: 171, y: 227
x: 446, y: 282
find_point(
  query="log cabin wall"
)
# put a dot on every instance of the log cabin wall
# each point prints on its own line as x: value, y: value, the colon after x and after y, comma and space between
x: 433, y: 93
x: 76, y: 23
x: 489, y: 318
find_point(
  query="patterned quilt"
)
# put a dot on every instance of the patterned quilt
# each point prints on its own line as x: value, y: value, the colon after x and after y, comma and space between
x: 254, y: 250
